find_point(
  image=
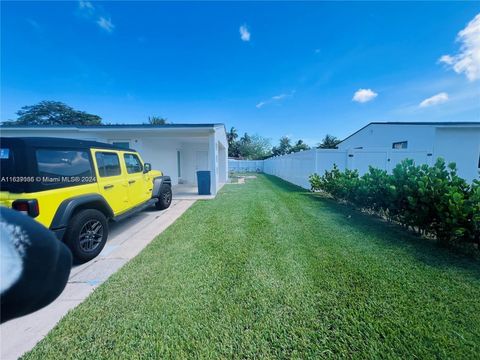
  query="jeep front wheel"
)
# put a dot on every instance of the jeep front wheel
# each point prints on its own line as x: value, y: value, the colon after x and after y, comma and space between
x: 86, y: 234
x: 164, y: 198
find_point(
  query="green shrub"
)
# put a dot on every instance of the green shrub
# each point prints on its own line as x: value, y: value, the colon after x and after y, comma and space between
x: 431, y: 200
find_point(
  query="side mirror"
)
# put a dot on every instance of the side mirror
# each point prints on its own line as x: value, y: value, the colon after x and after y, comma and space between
x: 147, y: 167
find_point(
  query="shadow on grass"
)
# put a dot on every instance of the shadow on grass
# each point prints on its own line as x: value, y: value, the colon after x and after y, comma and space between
x: 387, y: 234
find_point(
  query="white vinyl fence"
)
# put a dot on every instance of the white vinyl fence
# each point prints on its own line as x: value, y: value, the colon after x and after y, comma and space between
x: 297, y: 167
x: 243, y: 166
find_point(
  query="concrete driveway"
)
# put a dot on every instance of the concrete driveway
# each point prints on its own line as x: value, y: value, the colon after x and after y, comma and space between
x: 126, y: 240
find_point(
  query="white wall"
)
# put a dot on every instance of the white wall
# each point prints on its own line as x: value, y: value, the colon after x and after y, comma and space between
x: 217, y: 142
x: 419, y: 137
x: 222, y: 163
x: 162, y: 154
x: 462, y: 146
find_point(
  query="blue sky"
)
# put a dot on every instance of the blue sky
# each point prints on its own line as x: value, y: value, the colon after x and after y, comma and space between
x: 269, y: 68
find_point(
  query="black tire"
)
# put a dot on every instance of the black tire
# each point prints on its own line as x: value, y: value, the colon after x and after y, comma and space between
x: 164, y: 198
x: 86, y: 234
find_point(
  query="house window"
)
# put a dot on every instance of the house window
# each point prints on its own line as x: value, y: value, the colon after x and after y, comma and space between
x: 400, y: 145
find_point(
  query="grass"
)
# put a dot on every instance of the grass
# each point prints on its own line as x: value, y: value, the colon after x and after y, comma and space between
x: 267, y: 270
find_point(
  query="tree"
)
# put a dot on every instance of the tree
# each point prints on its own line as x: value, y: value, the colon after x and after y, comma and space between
x: 300, y: 146
x: 284, y: 147
x: 232, y: 136
x: 245, y: 139
x: 53, y: 113
x: 253, y: 147
x: 329, y: 142
x: 157, y: 120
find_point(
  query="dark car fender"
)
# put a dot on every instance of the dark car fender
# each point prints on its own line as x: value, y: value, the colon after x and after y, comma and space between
x: 157, y: 184
x: 67, y: 208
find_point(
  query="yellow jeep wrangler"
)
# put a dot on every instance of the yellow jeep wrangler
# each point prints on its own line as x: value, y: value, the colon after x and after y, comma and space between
x: 74, y: 187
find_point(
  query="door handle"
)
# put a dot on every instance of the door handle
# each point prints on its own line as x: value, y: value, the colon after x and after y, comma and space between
x: 108, y: 187
x: 131, y: 181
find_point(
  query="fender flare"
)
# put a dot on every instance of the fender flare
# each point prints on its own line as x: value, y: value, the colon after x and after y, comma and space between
x: 157, y: 184
x: 67, y: 208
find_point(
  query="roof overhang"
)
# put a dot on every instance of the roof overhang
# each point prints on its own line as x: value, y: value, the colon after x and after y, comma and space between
x: 150, y: 130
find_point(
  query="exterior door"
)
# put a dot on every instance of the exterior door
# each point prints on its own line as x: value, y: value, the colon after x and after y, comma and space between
x: 201, y: 162
x: 112, y: 183
x: 137, y: 191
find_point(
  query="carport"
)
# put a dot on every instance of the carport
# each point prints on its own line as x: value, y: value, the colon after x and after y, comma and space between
x: 179, y: 150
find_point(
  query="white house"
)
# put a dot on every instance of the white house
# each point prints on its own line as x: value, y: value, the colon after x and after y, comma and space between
x: 457, y: 142
x: 179, y: 150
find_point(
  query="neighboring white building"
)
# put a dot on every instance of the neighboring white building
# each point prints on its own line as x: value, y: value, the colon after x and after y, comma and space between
x: 384, y: 146
x: 457, y: 142
x: 179, y: 150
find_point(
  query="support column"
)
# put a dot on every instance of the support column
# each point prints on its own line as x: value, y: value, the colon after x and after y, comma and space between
x: 212, y: 162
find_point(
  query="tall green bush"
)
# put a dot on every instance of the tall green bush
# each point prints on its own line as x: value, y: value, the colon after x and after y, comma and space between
x: 431, y: 200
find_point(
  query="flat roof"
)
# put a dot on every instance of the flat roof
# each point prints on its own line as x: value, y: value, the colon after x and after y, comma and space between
x: 113, y: 126
x: 443, y: 123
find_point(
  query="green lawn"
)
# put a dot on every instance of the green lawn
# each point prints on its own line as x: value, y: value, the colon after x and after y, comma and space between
x: 267, y: 270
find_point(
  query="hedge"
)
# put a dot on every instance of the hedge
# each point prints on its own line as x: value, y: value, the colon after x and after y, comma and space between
x: 432, y: 200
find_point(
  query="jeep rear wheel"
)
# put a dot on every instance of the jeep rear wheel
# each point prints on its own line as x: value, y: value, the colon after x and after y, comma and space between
x: 86, y: 234
x: 164, y: 198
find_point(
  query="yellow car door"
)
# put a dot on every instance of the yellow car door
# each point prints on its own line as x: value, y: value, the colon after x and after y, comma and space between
x: 137, y: 191
x: 111, y: 179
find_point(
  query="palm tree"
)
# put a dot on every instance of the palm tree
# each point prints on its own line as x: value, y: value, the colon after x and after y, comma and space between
x: 329, y: 142
x: 232, y: 136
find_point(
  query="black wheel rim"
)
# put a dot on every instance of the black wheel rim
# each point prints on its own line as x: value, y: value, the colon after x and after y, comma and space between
x: 167, y: 197
x: 91, y: 235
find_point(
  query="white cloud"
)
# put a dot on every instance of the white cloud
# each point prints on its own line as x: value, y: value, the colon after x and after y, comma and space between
x: 88, y: 11
x: 274, y: 99
x: 280, y: 97
x: 364, y: 95
x: 244, y: 33
x: 467, y: 61
x: 105, y: 23
x: 85, y: 4
x: 446, y: 59
x: 434, y: 100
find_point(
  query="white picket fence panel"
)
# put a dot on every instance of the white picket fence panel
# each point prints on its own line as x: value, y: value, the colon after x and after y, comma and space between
x: 297, y: 167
